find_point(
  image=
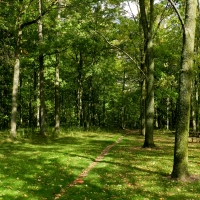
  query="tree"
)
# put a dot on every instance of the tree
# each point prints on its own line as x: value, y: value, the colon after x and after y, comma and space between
x: 18, y: 32
x: 41, y: 71
x: 22, y: 7
x: 180, y: 167
x: 147, y: 26
x: 57, y: 109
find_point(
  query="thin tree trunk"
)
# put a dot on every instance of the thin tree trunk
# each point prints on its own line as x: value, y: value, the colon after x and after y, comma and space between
x: 193, y: 107
x: 35, y: 106
x: 80, y: 92
x: 197, y: 43
x: 197, y: 102
x: 41, y: 72
x: 30, y: 113
x: 123, y: 101
x: 104, y: 108
x: 57, y: 112
x: 20, y: 107
x: 167, y: 122
x: 180, y: 167
x: 143, y: 87
x: 142, y: 107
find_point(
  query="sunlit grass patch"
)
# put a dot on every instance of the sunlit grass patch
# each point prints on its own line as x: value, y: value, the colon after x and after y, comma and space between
x: 38, y: 170
x: 35, y: 170
x: 131, y: 172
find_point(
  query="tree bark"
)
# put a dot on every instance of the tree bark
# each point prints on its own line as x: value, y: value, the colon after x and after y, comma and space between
x: 13, y: 130
x: 15, y: 90
x: 167, y: 121
x: 41, y: 72
x: 142, y: 107
x: 80, y: 92
x: 57, y: 112
x: 123, y: 108
x: 149, y: 65
x: 180, y: 167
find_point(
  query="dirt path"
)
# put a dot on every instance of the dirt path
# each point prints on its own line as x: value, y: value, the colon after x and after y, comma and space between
x: 84, y: 173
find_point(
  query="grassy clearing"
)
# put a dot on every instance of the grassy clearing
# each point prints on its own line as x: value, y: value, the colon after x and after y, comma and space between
x: 39, y: 170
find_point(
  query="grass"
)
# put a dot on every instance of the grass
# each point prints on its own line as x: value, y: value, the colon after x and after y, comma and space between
x: 39, y: 170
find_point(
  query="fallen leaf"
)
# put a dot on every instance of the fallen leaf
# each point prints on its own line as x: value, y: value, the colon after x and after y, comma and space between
x: 79, y: 181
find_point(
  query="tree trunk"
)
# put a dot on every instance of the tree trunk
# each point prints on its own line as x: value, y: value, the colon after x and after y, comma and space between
x: 193, y: 109
x: 57, y: 113
x: 197, y: 103
x: 149, y: 64
x: 180, y: 167
x: 149, y: 142
x: 35, y: 106
x: 14, y: 96
x: 142, y: 107
x: 80, y: 92
x: 57, y: 118
x: 13, y: 131
x: 20, y: 101
x: 41, y: 72
x: 167, y: 121
x: 123, y: 108
x: 196, y: 86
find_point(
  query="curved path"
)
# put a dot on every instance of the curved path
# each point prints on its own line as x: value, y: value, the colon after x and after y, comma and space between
x: 84, y: 173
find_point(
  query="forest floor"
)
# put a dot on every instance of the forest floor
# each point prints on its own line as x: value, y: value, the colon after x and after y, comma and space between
x: 94, y: 165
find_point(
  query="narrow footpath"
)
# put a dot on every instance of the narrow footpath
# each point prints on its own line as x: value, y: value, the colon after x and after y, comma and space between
x: 84, y: 173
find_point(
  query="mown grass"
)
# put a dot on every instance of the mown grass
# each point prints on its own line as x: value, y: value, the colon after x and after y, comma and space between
x: 40, y: 170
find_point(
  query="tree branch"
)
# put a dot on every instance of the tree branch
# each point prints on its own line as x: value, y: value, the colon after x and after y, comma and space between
x: 122, y: 52
x: 162, y: 17
x: 35, y: 20
x: 179, y: 15
x: 133, y: 16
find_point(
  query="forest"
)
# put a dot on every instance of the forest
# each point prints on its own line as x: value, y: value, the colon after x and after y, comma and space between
x: 96, y: 65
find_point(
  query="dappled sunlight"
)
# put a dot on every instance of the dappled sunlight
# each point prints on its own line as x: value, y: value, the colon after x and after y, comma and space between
x: 126, y: 171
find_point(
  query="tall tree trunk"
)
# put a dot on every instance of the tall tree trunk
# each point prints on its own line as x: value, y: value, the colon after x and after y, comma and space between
x: 41, y: 72
x: 180, y: 167
x: 142, y: 107
x: 57, y: 118
x: 30, y: 113
x: 143, y: 88
x: 149, y: 63
x: 197, y: 102
x: 167, y: 121
x: 13, y: 130
x: 80, y: 92
x: 20, y: 107
x: 123, y: 100
x: 197, y: 82
x: 35, y: 107
x: 103, y: 120
x: 193, y: 107
x: 15, y: 88
x: 57, y: 113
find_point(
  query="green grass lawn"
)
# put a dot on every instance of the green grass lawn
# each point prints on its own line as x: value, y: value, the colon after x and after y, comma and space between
x: 40, y: 170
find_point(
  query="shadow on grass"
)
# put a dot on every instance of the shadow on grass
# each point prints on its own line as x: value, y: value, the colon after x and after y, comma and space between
x: 131, y: 172
x: 28, y: 173
x: 39, y: 171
